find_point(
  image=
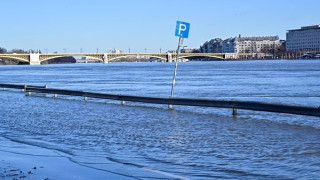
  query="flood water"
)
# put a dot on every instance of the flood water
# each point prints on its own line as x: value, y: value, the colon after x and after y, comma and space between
x: 146, y: 141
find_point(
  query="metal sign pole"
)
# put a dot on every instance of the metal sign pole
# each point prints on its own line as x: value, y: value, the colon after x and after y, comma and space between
x: 175, y: 69
x: 182, y: 30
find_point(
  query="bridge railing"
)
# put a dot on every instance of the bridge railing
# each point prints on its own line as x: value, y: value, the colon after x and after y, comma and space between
x: 248, y: 105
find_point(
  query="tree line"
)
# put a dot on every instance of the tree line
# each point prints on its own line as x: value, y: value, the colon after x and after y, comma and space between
x: 17, y: 51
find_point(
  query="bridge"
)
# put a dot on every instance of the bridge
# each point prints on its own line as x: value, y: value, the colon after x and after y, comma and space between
x: 38, y: 58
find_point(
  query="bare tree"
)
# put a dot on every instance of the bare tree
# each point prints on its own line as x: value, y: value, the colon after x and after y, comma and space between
x: 3, y: 50
x: 18, y: 51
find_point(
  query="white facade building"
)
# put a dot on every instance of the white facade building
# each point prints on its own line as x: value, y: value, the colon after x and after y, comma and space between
x: 265, y: 44
x: 306, y: 38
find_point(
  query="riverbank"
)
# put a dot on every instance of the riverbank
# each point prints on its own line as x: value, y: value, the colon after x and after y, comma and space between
x: 21, y: 161
x: 154, y: 61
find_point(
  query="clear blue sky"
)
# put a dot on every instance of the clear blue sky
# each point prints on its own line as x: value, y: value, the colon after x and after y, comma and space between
x: 140, y: 24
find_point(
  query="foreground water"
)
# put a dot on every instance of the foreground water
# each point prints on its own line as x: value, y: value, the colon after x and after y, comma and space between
x: 148, y: 141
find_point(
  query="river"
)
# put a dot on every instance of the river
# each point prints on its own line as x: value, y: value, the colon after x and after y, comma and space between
x: 146, y: 141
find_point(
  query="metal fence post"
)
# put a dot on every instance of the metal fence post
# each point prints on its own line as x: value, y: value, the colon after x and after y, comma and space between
x: 234, y: 111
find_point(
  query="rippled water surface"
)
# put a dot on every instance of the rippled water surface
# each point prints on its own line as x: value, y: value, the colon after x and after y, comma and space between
x: 149, y: 141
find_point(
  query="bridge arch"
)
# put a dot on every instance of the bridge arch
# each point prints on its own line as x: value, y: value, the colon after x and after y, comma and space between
x: 60, y: 56
x: 49, y: 58
x: 95, y: 58
x: 198, y: 55
x: 17, y: 58
x: 135, y: 55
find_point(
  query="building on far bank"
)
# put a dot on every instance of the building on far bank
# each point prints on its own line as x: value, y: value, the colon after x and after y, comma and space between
x: 186, y: 49
x: 229, y: 45
x: 306, y: 38
x: 212, y: 46
x: 264, y: 44
x: 117, y: 51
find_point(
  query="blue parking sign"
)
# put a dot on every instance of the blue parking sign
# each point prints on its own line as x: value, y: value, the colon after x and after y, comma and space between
x: 182, y: 29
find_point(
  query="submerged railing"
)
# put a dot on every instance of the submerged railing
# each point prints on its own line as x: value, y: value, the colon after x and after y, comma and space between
x: 247, y: 105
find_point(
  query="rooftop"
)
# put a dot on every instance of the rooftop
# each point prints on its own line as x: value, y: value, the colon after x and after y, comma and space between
x: 306, y: 28
x: 261, y: 38
x: 311, y: 27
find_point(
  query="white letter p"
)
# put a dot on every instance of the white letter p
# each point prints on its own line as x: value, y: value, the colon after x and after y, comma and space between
x: 182, y: 27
